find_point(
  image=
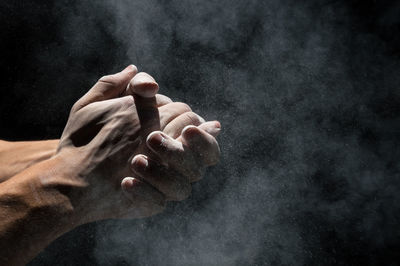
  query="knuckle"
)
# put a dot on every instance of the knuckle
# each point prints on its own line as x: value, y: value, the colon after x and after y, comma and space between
x: 183, y: 106
x: 127, y: 102
x: 164, y: 98
x: 105, y: 79
x: 166, y: 152
x: 111, y: 80
x: 193, y: 118
x: 169, y: 151
x: 76, y: 107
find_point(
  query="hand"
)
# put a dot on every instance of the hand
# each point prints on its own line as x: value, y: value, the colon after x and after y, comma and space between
x: 181, y: 153
x: 179, y: 161
x: 81, y: 182
x: 102, y: 134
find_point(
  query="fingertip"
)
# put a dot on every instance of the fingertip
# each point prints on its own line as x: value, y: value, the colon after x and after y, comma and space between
x: 130, y: 68
x: 201, y: 119
x: 128, y: 183
x: 162, y: 100
x: 136, y: 190
x: 155, y: 139
x: 139, y: 162
x: 147, y: 90
x: 144, y: 85
x: 213, y: 128
x: 189, y: 132
x: 127, y: 74
x: 202, y: 140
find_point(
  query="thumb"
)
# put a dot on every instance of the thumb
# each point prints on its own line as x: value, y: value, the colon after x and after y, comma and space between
x: 108, y: 87
x: 142, y: 85
x: 144, y: 88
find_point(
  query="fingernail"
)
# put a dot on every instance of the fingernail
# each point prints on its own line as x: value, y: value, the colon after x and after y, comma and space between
x: 213, y: 131
x: 144, y: 76
x: 129, y: 68
x: 144, y: 85
x: 190, y: 131
x: 145, y: 80
x: 140, y: 163
x: 127, y: 183
x: 217, y: 124
x: 155, y: 140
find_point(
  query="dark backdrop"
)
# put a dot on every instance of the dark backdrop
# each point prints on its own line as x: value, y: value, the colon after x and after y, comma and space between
x: 308, y: 96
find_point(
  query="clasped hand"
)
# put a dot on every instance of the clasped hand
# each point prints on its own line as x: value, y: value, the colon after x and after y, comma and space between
x: 128, y: 150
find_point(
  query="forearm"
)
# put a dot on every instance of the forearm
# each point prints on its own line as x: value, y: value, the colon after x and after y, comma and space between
x: 17, y: 156
x: 33, y: 211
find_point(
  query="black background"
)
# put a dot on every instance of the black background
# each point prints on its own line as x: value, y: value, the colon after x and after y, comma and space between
x: 308, y: 95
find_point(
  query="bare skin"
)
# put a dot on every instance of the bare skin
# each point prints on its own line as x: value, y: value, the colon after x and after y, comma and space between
x: 16, y: 156
x: 105, y: 165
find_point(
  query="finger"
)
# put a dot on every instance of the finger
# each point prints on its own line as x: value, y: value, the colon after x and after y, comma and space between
x: 162, y: 100
x: 170, y: 111
x: 143, y: 88
x: 143, y: 85
x: 107, y: 87
x: 202, y: 144
x: 140, y: 199
x: 172, y: 154
x: 148, y: 112
x: 167, y: 181
x: 212, y: 127
x: 175, y: 127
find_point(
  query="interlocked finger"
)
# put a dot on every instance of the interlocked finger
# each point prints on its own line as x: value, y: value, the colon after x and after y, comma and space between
x: 168, y: 181
x: 139, y: 199
x: 173, y: 154
x: 175, y: 127
x: 170, y: 111
x: 202, y: 144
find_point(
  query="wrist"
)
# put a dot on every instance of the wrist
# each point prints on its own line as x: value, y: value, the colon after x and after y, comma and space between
x: 67, y: 185
x: 35, y: 210
x: 44, y: 190
x: 16, y: 156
